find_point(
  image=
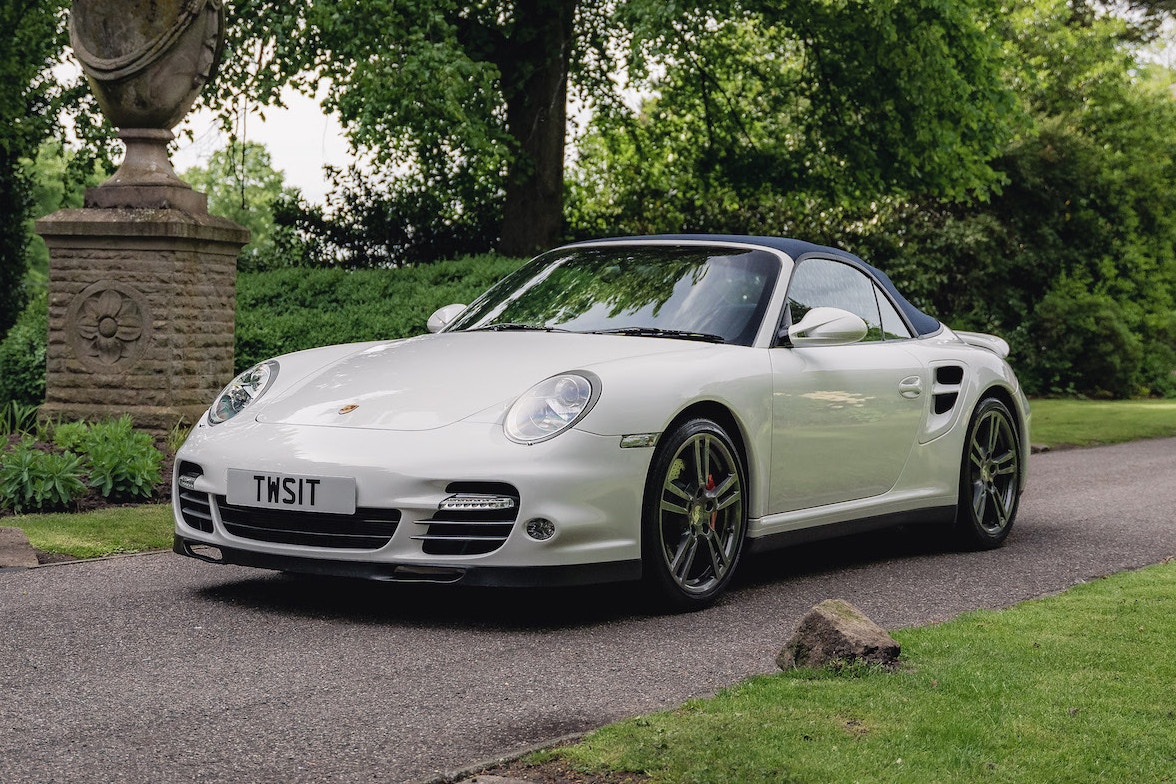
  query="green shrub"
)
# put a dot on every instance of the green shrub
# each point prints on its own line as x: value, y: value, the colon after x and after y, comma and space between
x: 117, y: 461
x: 31, y: 479
x: 71, y: 436
x: 17, y: 417
x: 1082, y: 343
x: 1159, y: 355
x: 123, y: 463
x: 289, y: 309
x: 177, y: 436
x: 22, y: 355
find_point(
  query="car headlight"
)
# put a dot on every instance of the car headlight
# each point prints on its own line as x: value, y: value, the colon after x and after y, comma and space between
x: 242, y: 391
x: 551, y: 407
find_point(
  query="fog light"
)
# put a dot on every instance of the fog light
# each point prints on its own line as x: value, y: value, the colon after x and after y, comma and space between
x: 471, y: 502
x: 540, y: 529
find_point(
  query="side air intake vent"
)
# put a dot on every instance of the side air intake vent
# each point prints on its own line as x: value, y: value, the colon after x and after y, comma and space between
x: 948, y: 379
x: 949, y: 374
x: 195, y: 507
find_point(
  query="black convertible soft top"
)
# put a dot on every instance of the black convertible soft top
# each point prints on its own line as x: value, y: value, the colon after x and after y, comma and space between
x: 922, y: 323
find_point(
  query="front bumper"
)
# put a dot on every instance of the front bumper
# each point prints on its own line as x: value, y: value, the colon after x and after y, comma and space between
x: 587, y: 485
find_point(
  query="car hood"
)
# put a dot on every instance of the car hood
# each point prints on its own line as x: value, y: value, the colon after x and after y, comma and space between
x: 435, y: 380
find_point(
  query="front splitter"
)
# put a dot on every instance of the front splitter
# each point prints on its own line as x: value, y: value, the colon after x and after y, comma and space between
x: 479, y: 576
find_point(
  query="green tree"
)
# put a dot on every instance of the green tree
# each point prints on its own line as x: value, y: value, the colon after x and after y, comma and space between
x: 752, y: 119
x: 33, y: 32
x: 1055, y: 226
x: 440, y: 86
x: 428, y: 86
x: 33, y: 101
x: 242, y: 185
x: 1144, y: 17
x: 388, y: 220
x: 55, y: 180
x: 1075, y: 259
x: 57, y: 177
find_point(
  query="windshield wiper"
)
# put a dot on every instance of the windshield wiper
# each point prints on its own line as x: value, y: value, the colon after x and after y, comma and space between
x: 654, y: 332
x: 514, y: 326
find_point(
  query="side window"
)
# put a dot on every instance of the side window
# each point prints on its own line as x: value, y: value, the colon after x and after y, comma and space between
x: 893, y: 327
x: 827, y: 283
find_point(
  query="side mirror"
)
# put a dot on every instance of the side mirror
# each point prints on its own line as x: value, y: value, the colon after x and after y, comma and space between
x: 827, y: 327
x: 443, y: 316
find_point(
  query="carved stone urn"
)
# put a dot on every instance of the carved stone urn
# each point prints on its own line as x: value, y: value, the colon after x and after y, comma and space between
x: 146, y: 61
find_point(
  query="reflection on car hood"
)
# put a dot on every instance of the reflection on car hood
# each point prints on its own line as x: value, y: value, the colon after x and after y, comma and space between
x: 435, y: 380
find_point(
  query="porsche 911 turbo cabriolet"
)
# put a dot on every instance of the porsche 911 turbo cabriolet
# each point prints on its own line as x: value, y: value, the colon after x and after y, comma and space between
x: 648, y: 408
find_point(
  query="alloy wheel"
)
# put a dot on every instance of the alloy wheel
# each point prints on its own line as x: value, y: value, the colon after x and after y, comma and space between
x: 994, y: 467
x: 701, y: 513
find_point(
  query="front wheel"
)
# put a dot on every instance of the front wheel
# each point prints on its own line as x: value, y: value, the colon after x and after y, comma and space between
x: 990, y: 478
x: 695, y: 515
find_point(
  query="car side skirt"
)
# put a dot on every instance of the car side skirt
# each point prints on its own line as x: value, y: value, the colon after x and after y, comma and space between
x: 941, y: 515
x: 480, y: 576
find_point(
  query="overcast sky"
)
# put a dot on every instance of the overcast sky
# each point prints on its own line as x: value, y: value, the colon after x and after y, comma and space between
x: 300, y: 140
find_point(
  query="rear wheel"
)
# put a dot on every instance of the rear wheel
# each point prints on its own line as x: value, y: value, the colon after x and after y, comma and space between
x: 695, y: 516
x: 990, y: 478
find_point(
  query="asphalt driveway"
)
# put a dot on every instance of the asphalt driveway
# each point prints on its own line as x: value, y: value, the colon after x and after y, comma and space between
x: 157, y: 668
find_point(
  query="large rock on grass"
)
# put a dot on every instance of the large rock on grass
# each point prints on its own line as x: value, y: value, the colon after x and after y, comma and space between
x: 835, y: 633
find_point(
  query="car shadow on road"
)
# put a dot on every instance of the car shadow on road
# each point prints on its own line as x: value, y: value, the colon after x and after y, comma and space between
x: 843, y: 552
x: 364, y: 601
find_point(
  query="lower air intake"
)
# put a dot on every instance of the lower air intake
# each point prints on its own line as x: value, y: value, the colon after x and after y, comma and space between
x: 367, y: 529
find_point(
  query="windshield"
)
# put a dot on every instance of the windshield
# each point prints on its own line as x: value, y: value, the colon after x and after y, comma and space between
x: 694, y: 292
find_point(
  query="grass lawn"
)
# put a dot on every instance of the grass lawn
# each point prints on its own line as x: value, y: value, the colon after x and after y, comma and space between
x: 1073, y: 688
x: 1090, y: 422
x: 122, y: 529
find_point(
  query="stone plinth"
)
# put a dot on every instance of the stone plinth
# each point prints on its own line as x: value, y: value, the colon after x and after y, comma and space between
x: 141, y: 312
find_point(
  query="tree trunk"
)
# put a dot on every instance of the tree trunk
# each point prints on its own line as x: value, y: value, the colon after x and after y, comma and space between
x: 534, y: 69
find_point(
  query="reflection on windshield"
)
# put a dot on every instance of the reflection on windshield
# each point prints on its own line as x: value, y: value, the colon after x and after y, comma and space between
x: 694, y: 291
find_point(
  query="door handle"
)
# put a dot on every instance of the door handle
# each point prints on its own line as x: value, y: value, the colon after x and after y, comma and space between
x: 911, y: 387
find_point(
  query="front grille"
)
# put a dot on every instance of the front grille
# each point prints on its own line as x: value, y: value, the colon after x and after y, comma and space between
x: 367, y: 529
x: 196, y: 510
x: 462, y: 532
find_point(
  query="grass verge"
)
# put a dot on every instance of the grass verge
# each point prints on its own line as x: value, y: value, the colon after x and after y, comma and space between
x: 122, y: 529
x: 1075, y: 687
x: 1089, y: 422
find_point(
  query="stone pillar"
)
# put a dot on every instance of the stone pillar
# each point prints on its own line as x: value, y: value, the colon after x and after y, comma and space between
x: 141, y: 310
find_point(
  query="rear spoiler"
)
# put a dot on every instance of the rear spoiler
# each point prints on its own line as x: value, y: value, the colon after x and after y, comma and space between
x: 994, y: 344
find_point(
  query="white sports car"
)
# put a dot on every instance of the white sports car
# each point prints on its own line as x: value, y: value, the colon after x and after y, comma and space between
x: 644, y: 408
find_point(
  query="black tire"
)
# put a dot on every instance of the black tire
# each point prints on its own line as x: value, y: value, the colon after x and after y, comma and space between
x: 695, y: 505
x: 990, y: 477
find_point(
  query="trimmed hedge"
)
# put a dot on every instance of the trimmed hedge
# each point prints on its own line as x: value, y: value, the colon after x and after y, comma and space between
x: 284, y: 310
x: 22, y: 355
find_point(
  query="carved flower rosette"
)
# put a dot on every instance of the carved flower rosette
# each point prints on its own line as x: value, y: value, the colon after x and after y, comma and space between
x: 108, y: 326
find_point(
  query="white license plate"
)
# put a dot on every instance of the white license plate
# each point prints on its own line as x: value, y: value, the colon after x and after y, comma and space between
x: 327, y: 494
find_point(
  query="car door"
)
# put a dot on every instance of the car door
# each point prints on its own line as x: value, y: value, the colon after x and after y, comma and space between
x: 845, y: 417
